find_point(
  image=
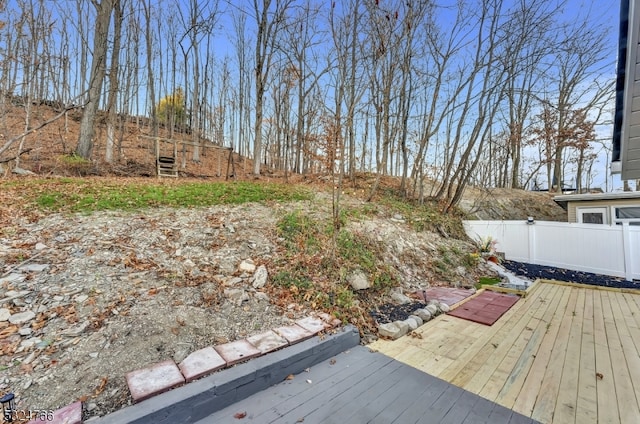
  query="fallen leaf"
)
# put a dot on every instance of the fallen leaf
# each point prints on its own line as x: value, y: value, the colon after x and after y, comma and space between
x: 332, y: 362
x: 300, y: 420
x: 6, y: 332
x: 83, y: 398
x: 152, y: 291
x: 101, y: 386
x: 240, y: 415
x: 175, y: 330
x: 309, y: 381
x: 290, y: 377
x: 599, y: 376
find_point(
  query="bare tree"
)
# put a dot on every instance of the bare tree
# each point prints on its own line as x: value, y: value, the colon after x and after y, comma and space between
x: 270, y: 19
x: 104, y: 9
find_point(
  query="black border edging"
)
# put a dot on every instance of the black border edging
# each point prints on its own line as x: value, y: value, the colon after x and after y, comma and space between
x: 201, y: 398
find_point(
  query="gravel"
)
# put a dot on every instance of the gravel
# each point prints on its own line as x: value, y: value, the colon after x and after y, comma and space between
x: 534, y: 272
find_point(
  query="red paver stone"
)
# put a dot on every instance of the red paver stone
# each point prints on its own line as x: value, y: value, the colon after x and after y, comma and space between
x: 449, y: 296
x: 314, y: 325
x: 267, y: 342
x: 238, y: 351
x: 294, y: 333
x: 153, y: 380
x: 70, y: 414
x: 201, y: 362
x: 486, y: 308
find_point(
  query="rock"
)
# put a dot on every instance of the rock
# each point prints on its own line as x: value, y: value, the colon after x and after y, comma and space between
x: 359, y: 280
x: 461, y: 271
x: 34, y: 267
x: 247, y: 266
x: 444, y: 307
x: 188, y: 264
x: 93, y: 355
x: 27, y: 384
x: 417, y: 319
x: 4, y: 314
x: 231, y: 228
x: 13, y: 278
x: 398, y: 297
x: 397, y: 218
x: 22, y: 171
x: 403, y: 326
x: 233, y: 281
x: 236, y: 295
x: 412, y: 323
x: 423, y: 314
x: 41, y: 246
x: 81, y: 298
x: 22, y: 317
x: 76, y: 330
x: 432, y: 309
x: 260, y: 277
x: 392, y: 330
x: 262, y: 296
x: 25, y: 331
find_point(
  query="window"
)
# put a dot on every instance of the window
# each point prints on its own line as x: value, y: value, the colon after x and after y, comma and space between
x: 592, y: 215
x: 631, y: 213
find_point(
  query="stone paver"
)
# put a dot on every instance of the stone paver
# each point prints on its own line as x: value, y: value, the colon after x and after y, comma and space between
x: 267, y: 342
x: 155, y: 379
x: 201, y: 362
x: 237, y: 351
x: 314, y: 325
x: 294, y: 333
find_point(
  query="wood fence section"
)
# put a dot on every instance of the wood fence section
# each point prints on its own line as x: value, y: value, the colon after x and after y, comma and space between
x: 602, y: 249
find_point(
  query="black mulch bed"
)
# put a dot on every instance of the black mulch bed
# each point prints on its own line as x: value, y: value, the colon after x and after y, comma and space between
x: 390, y: 312
x: 533, y: 272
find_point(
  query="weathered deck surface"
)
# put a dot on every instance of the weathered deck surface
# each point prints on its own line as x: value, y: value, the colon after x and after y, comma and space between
x: 360, y: 386
x: 561, y: 355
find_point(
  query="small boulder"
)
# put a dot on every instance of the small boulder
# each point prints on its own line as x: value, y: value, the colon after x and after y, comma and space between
x: 359, y: 281
x: 236, y: 295
x: 398, y: 297
x: 423, y: 314
x: 22, y: 317
x: 247, y: 266
x: 393, y: 330
x: 432, y: 309
x: 417, y: 319
x: 260, y: 277
x: 444, y: 307
x: 412, y: 323
x: 5, y: 314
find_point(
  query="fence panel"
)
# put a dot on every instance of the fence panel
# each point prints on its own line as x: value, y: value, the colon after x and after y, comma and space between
x: 602, y: 249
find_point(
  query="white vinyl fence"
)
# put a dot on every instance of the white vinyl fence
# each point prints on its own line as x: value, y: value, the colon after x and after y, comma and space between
x: 601, y: 249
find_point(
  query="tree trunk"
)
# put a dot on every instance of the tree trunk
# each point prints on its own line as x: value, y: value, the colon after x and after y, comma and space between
x: 98, y: 69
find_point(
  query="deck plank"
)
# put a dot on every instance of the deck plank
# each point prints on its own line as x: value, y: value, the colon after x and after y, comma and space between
x: 501, y: 338
x: 546, y: 401
x: 587, y: 401
x: 528, y: 394
x: 566, y: 403
x: 491, y: 376
x: 625, y: 395
x: 539, y: 344
x: 605, y: 387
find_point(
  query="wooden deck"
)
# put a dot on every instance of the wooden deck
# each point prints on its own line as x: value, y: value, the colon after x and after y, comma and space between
x: 360, y: 386
x: 563, y: 354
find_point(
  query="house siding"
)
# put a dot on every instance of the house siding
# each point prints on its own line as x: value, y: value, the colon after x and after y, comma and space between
x: 630, y: 146
x: 572, y: 207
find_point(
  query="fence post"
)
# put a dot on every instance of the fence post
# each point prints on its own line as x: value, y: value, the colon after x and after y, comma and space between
x: 626, y: 249
x: 531, y: 236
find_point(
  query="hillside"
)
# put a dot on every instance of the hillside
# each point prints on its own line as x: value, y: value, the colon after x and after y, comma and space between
x: 49, y: 153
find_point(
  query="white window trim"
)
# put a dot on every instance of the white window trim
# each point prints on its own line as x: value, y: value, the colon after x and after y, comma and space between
x: 615, y: 220
x: 594, y: 209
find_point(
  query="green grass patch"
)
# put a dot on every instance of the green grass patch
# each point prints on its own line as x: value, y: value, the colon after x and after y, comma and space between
x: 77, y: 195
x: 487, y: 281
x: 300, y: 232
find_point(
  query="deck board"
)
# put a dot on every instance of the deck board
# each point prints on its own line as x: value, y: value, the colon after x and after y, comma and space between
x: 544, y: 356
x: 364, y: 387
